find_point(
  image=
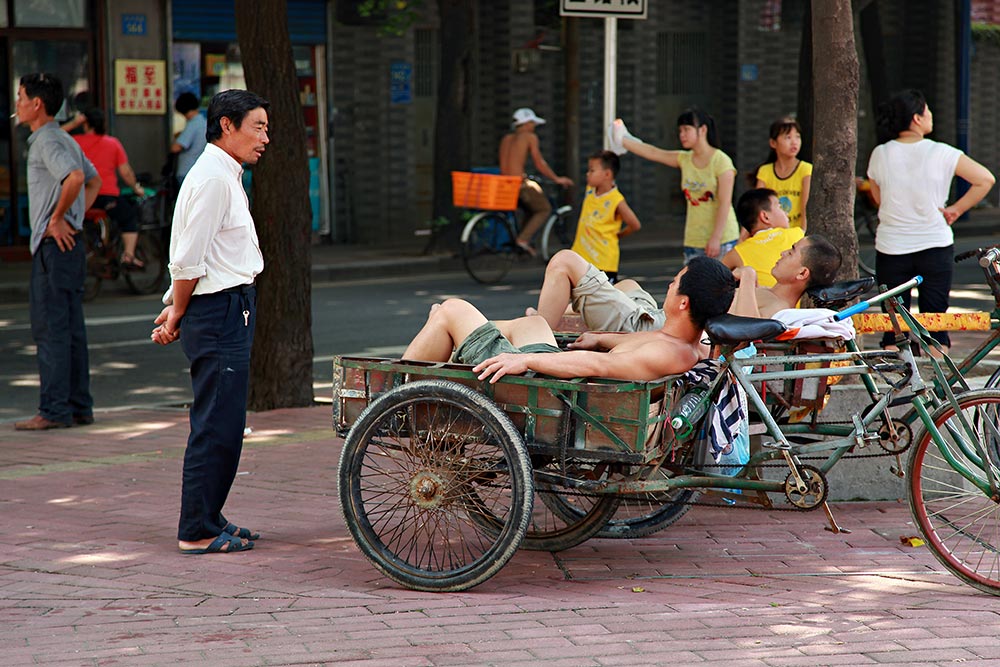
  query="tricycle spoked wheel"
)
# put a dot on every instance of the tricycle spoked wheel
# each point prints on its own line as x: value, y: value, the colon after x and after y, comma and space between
x: 417, y: 467
x: 949, y: 491
x: 488, y: 247
x: 149, y: 251
x: 565, y: 517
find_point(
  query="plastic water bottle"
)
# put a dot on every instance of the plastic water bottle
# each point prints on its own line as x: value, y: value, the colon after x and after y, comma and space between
x: 690, y: 409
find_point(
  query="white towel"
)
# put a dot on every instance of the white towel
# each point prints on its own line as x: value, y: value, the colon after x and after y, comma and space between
x: 813, y: 323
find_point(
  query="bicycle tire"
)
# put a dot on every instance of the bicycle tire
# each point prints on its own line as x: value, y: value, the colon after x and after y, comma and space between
x: 865, y: 227
x: 435, y: 486
x: 149, y: 250
x: 488, y: 248
x: 959, y: 521
x: 558, y: 234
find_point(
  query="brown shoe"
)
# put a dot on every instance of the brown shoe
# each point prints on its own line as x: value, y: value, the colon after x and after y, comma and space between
x: 38, y: 423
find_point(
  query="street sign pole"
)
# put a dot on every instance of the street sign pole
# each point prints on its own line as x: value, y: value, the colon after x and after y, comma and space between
x: 610, y: 73
x: 610, y: 11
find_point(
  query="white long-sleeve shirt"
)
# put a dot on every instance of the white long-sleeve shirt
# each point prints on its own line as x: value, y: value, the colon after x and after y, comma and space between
x: 213, y: 237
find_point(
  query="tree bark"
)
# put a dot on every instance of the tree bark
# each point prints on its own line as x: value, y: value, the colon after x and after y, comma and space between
x: 452, y: 128
x: 835, y: 141
x: 281, y: 367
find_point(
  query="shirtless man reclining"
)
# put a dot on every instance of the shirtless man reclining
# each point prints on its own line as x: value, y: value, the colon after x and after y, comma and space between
x: 701, y: 290
x: 625, y: 306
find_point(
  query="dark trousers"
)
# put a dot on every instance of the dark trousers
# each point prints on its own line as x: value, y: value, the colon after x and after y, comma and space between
x: 216, y: 339
x: 56, y: 304
x: 936, y: 266
x: 121, y: 210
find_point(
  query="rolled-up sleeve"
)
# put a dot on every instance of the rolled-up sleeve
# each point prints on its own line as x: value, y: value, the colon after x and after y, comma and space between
x: 207, y: 210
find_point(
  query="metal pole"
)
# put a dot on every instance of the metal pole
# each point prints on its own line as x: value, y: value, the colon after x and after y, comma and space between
x: 610, y: 72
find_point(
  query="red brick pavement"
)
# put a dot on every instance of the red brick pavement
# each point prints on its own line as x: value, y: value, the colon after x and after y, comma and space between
x: 90, y: 575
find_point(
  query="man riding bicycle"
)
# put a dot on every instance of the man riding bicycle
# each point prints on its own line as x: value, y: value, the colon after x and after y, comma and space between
x: 514, y: 150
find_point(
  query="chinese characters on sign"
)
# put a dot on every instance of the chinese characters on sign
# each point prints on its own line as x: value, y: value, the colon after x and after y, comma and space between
x: 622, y: 9
x: 140, y: 86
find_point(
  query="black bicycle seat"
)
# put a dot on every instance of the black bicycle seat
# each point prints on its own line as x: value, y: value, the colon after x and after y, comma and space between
x: 843, y: 291
x: 734, y: 329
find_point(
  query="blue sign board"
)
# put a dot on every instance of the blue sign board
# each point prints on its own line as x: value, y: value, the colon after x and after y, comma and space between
x: 749, y: 73
x: 134, y: 24
x: 400, y: 82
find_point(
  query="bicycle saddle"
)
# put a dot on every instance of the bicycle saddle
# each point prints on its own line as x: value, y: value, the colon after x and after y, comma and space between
x: 836, y: 295
x: 734, y: 329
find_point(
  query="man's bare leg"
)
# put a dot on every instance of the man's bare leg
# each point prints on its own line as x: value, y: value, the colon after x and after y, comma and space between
x: 564, y: 272
x: 526, y: 330
x: 446, y: 327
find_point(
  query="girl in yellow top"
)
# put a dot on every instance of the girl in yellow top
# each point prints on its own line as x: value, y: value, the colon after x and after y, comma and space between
x: 785, y: 173
x: 707, y: 180
x: 604, y: 217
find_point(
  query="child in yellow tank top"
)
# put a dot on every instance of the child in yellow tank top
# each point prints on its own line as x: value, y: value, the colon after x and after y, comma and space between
x: 605, y: 217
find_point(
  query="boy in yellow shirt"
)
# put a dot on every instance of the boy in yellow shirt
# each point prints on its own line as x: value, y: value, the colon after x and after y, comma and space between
x: 760, y: 214
x: 604, y: 217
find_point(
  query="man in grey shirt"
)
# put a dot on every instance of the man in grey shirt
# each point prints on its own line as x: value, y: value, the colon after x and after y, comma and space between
x: 62, y: 184
x: 190, y: 143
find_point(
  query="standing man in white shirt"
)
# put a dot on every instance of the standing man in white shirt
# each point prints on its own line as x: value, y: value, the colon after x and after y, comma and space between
x: 211, y: 306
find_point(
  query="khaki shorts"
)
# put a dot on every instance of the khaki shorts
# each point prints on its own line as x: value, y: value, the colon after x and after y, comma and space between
x: 487, y: 342
x: 606, y: 308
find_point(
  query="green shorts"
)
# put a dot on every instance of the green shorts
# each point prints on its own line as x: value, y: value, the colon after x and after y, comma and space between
x: 487, y: 342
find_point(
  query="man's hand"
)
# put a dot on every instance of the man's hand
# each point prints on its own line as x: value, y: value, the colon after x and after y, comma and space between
x: 500, y: 365
x: 564, y: 181
x: 169, y: 327
x: 62, y: 232
x: 588, y: 340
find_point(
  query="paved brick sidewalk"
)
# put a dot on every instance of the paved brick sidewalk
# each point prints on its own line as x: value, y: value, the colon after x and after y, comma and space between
x: 90, y: 575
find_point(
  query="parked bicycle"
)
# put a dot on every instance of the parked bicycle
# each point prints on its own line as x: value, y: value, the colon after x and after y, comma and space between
x: 105, y: 247
x: 488, y: 238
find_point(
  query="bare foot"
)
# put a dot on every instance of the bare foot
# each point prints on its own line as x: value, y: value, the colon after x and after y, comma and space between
x: 529, y: 311
x: 434, y: 306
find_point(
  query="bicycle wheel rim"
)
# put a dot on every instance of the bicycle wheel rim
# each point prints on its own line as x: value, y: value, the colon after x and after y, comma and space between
x: 960, y: 522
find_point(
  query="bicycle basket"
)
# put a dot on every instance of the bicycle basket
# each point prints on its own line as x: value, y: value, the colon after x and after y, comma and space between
x: 484, y: 191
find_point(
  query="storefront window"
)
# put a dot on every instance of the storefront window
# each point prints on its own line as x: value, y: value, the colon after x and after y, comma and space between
x: 49, y: 13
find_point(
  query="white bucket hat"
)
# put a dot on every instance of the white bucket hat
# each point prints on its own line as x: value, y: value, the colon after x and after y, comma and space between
x: 526, y: 115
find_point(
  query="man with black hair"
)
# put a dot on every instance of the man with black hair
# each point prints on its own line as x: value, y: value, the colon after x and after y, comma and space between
x: 702, y: 289
x: 190, y: 143
x: 212, y: 307
x: 62, y: 185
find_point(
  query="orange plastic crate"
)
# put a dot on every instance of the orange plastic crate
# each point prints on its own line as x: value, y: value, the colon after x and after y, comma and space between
x: 484, y: 191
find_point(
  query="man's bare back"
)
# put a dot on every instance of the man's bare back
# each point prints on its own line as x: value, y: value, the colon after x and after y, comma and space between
x: 514, y: 149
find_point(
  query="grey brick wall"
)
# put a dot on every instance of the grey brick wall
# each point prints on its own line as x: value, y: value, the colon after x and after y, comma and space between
x: 379, y: 172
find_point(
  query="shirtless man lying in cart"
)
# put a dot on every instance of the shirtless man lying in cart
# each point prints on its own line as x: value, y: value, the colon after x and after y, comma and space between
x: 457, y: 330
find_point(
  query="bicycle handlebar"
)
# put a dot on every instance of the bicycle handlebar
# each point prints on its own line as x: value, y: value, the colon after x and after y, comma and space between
x: 862, y: 306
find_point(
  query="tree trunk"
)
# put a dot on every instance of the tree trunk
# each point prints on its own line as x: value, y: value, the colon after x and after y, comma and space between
x: 452, y: 128
x: 835, y: 139
x: 282, y: 367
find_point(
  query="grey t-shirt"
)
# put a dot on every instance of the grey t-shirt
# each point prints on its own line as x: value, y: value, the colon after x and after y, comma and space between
x: 192, y: 138
x: 52, y: 155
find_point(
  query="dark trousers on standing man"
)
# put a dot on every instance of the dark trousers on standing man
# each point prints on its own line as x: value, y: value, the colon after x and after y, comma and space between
x: 216, y: 334
x: 57, y: 327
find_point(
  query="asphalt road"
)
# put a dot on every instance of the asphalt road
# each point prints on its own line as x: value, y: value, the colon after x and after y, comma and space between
x: 374, y: 317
